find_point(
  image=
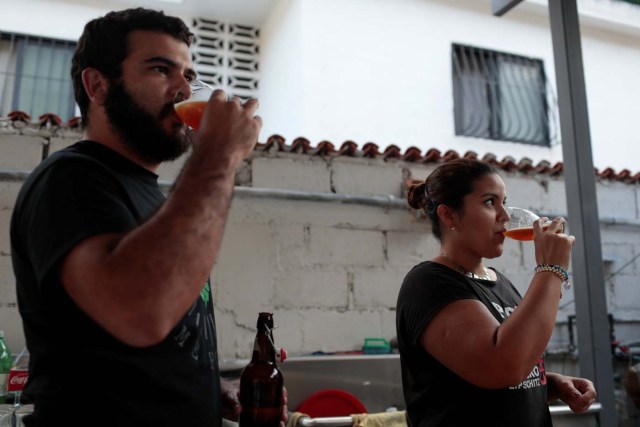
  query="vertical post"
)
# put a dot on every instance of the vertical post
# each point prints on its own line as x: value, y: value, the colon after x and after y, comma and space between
x: 594, y: 344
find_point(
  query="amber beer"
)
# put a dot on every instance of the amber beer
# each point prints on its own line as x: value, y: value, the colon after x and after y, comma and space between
x: 526, y: 233
x: 522, y: 233
x: 190, y: 112
x: 261, y: 381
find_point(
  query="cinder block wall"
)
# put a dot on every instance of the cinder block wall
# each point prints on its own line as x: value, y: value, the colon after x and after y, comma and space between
x: 330, y: 271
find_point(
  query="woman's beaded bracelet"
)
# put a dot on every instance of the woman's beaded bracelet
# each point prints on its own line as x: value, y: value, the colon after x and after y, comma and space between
x: 556, y: 269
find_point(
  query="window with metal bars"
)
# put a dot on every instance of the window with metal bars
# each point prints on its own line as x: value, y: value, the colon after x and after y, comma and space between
x: 34, y: 75
x: 500, y: 96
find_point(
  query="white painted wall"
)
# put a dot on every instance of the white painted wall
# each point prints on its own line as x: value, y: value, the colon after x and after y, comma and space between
x: 379, y: 70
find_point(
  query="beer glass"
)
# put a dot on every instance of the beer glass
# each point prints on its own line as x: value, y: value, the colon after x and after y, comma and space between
x: 6, y: 415
x: 190, y: 110
x: 520, y: 226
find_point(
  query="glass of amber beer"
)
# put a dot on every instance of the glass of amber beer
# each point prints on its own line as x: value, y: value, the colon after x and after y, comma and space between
x: 190, y: 110
x: 520, y: 225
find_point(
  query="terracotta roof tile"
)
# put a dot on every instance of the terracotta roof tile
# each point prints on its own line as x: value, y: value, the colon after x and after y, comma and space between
x: 450, y: 155
x: 557, y: 169
x: 470, y: 155
x: 301, y: 146
x: 19, y: 116
x: 508, y: 163
x: 392, y: 152
x: 624, y: 175
x: 525, y: 165
x: 490, y: 158
x: 49, y: 119
x: 276, y: 143
x: 75, y: 122
x: 607, y: 173
x: 433, y: 155
x: 370, y: 150
x: 412, y: 154
x: 325, y: 148
x: 348, y: 148
x: 543, y: 167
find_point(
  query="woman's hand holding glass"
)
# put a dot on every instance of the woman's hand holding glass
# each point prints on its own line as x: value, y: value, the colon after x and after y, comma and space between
x: 520, y: 224
x: 552, y: 246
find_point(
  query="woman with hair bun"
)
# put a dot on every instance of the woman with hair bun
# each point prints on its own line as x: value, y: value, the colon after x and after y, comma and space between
x: 471, y: 347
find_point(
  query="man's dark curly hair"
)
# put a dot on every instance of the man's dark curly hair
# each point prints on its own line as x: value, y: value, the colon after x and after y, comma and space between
x: 103, y: 44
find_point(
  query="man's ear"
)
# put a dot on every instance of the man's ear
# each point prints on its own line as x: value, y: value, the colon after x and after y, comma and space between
x: 446, y: 216
x: 95, y: 84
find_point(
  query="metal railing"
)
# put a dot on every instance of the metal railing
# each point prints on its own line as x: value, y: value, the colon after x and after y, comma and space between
x: 348, y: 420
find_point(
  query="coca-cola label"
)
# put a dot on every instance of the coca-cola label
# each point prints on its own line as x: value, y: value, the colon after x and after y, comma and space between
x: 17, y: 380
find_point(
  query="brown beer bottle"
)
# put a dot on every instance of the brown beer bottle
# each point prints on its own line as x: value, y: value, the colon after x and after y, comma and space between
x: 261, y: 381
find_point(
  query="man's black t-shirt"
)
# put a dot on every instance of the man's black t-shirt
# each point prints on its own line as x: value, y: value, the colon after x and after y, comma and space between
x: 436, y: 396
x: 79, y: 373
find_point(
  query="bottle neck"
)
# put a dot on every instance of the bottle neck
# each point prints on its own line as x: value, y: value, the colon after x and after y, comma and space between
x: 263, y: 349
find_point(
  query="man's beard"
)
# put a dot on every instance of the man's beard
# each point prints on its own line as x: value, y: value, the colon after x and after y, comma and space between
x: 141, y: 131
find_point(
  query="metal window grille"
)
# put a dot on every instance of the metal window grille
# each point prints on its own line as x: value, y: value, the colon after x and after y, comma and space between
x: 502, y: 96
x: 227, y: 56
x: 34, y: 75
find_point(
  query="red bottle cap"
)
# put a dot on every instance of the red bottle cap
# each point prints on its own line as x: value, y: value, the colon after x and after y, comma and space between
x: 281, y: 355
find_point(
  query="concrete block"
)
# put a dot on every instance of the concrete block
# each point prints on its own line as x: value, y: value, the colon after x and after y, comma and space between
x: 11, y: 324
x: 614, y: 201
x: 353, y: 176
x: 346, y: 247
x: 289, y: 335
x: 58, y: 143
x: 419, y: 171
x: 627, y: 332
x: 329, y: 330
x: 10, y: 321
x: 20, y: 152
x: 521, y: 191
x: 303, y: 174
x: 8, y: 194
x: 245, y: 271
x: 554, y: 199
x: 626, y: 295
x: 234, y: 341
x: 619, y: 257
x: 612, y: 235
x: 5, y: 220
x: 388, y: 327
x: 375, y: 288
x: 6, y: 275
x: 410, y: 248
x: 249, y: 210
x: 318, y: 288
x: 290, y: 249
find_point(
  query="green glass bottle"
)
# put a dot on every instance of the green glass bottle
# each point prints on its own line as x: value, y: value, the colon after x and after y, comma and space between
x: 5, y: 365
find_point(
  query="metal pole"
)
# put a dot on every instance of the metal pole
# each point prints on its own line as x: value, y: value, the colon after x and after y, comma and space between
x: 594, y: 344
